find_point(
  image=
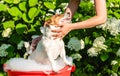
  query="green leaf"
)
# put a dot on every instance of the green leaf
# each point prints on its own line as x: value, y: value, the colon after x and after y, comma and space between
x: 16, y: 1
x: 95, y: 34
x: 20, y: 28
x: 49, y: 5
x: 8, y: 24
x: 22, y: 6
x: 1, y: 74
x: 32, y: 2
x: 12, y: 1
x: 16, y: 18
x: 115, y: 67
x: 15, y: 38
x: 111, y: 1
x: 25, y: 18
x: 10, y: 51
x: 33, y: 12
x: 9, y: 1
x: 58, y: 2
x: 14, y: 11
x: 87, y: 40
x: 110, y: 11
x: 104, y: 57
x: 117, y: 15
x: 32, y: 29
x: 3, y: 7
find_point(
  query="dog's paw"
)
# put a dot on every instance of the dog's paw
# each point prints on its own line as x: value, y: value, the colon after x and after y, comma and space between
x: 68, y: 63
x: 55, y: 69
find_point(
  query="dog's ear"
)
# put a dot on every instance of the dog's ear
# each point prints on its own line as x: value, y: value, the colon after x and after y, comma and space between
x: 47, y: 22
x: 42, y: 29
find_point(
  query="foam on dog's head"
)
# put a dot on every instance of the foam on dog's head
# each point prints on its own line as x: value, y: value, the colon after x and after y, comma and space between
x: 65, y: 19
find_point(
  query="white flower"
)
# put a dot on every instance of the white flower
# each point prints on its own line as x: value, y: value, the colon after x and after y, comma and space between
x: 111, y: 4
x: 114, y: 74
x: 92, y: 52
x: 99, y: 39
x: 75, y: 44
x: 82, y: 44
x: 2, y: 1
x: 3, y: 51
x: 114, y: 28
x: 92, y: 1
x: 118, y: 52
x: 114, y: 62
x: 112, y: 25
x: 103, y: 26
x: 58, y: 11
x: 64, y: 5
x: 98, y: 45
x: 49, y: 14
x: 76, y: 56
x: 27, y: 44
x: 7, y: 32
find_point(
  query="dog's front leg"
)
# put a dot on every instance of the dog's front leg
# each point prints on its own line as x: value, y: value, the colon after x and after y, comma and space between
x: 63, y: 56
x: 52, y: 61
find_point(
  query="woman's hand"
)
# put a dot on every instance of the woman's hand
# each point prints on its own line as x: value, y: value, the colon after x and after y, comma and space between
x: 65, y: 28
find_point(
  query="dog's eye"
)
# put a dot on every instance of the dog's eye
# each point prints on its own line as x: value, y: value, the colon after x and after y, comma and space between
x: 47, y: 25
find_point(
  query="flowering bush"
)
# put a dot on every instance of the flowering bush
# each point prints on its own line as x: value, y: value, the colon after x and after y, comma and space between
x: 112, y: 25
x: 103, y: 52
x: 96, y: 51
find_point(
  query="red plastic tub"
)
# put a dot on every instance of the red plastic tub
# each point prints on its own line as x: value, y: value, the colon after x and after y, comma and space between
x: 66, y: 71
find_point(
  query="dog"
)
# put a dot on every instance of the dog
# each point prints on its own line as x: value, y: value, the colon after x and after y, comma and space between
x: 49, y: 49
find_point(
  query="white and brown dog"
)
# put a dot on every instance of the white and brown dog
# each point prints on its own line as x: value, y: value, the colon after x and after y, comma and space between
x: 49, y: 49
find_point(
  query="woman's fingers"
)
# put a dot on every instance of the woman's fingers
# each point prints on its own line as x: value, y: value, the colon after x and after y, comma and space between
x: 56, y: 31
x: 57, y: 35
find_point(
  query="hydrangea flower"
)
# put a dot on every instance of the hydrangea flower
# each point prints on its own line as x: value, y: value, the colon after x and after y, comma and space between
x: 112, y: 25
x: 114, y: 62
x: 82, y: 44
x: 92, y: 52
x: 3, y: 51
x: 114, y: 74
x: 76, y: 56
x: 58, y: 11
x: 98, y: 45
x: 75, y: 44
x: 63, y: 5
x: 7, y: 32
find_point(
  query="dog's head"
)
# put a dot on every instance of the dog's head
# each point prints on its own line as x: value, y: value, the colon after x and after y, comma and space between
x: 53, y: 23
x: 56, y: 19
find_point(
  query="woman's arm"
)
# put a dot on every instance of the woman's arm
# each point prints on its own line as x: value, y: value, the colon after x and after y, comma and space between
x: 72, y: 7
x: 99, y: 18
